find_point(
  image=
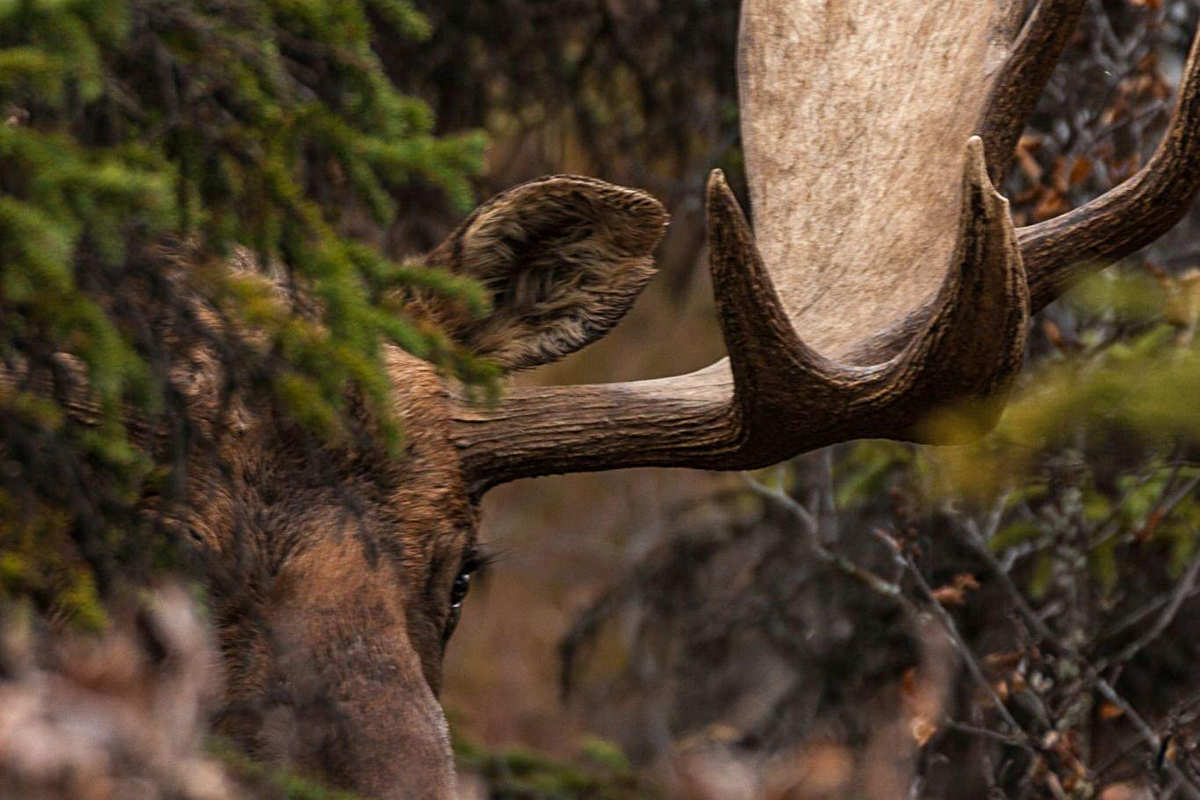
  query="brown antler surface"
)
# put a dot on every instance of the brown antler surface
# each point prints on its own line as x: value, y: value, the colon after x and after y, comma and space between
x: 884, y: 279
x: 775, y: 396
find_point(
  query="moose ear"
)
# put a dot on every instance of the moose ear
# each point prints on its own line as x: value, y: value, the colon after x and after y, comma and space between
x: 562, y: 259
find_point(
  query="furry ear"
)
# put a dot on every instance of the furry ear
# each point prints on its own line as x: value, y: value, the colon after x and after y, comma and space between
x: 562, y: 259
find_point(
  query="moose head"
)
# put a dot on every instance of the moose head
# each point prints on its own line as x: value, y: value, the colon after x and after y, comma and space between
x: 883, y: 280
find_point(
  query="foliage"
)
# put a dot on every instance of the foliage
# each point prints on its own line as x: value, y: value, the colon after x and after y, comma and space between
x: 642, y: 89
x: 268, y: 782
x: 147, y: 145
x: 1121, y: 377
x: 515, y: 774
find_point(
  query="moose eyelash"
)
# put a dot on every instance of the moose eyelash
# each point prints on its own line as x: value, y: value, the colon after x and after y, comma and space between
x: 482, y: 556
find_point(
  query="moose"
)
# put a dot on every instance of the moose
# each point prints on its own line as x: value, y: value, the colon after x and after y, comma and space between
x: 883, y: 280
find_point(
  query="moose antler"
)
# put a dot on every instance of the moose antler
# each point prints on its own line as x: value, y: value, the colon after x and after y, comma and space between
x: 853, y: 135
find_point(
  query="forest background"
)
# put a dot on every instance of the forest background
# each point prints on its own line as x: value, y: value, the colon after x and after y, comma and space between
x: 874, y: 619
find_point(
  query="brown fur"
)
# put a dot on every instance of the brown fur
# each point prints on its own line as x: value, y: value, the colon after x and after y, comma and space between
x: 330, y: 590
x: 330, y: 573
x: 562, y: 258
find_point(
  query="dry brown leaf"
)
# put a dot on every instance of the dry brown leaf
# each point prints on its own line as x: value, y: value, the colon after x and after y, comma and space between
x: 1147, y: 531
x: 966, y: 581
x: 1029, y: 165
x: 922, y: 730
x: 1058, y: 175
x: 955, y: 593
x: 1029, y: 142
x: 950, y: 596
x: 1080, y: 171
x: 1054, y: 335
x: 1118, y: 110
x: 1005, y: 660
x: 1051, y: 205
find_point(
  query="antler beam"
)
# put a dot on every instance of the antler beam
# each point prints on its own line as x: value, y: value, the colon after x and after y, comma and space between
x: 775, y: 396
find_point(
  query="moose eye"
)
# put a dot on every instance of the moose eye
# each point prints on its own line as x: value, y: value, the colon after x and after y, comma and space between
x: 462, y: 585
x: 459, y: 589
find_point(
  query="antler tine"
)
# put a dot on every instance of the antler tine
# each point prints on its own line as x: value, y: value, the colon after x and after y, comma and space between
x: 1015, y: 92
x: 973, y: 346
x: 788, y: 398
x: 1128, y: 217
x: 775, y: 373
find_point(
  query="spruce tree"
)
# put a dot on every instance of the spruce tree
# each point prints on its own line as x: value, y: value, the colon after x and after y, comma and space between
x: 143, y: 145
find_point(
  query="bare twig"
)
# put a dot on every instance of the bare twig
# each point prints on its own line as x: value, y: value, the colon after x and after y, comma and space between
x: 960, y: 644
x: 1137, y: 616
x: 872, y: 581
x: 1182, y: 591
x: 984, y: 733
x: 1092, y: 674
